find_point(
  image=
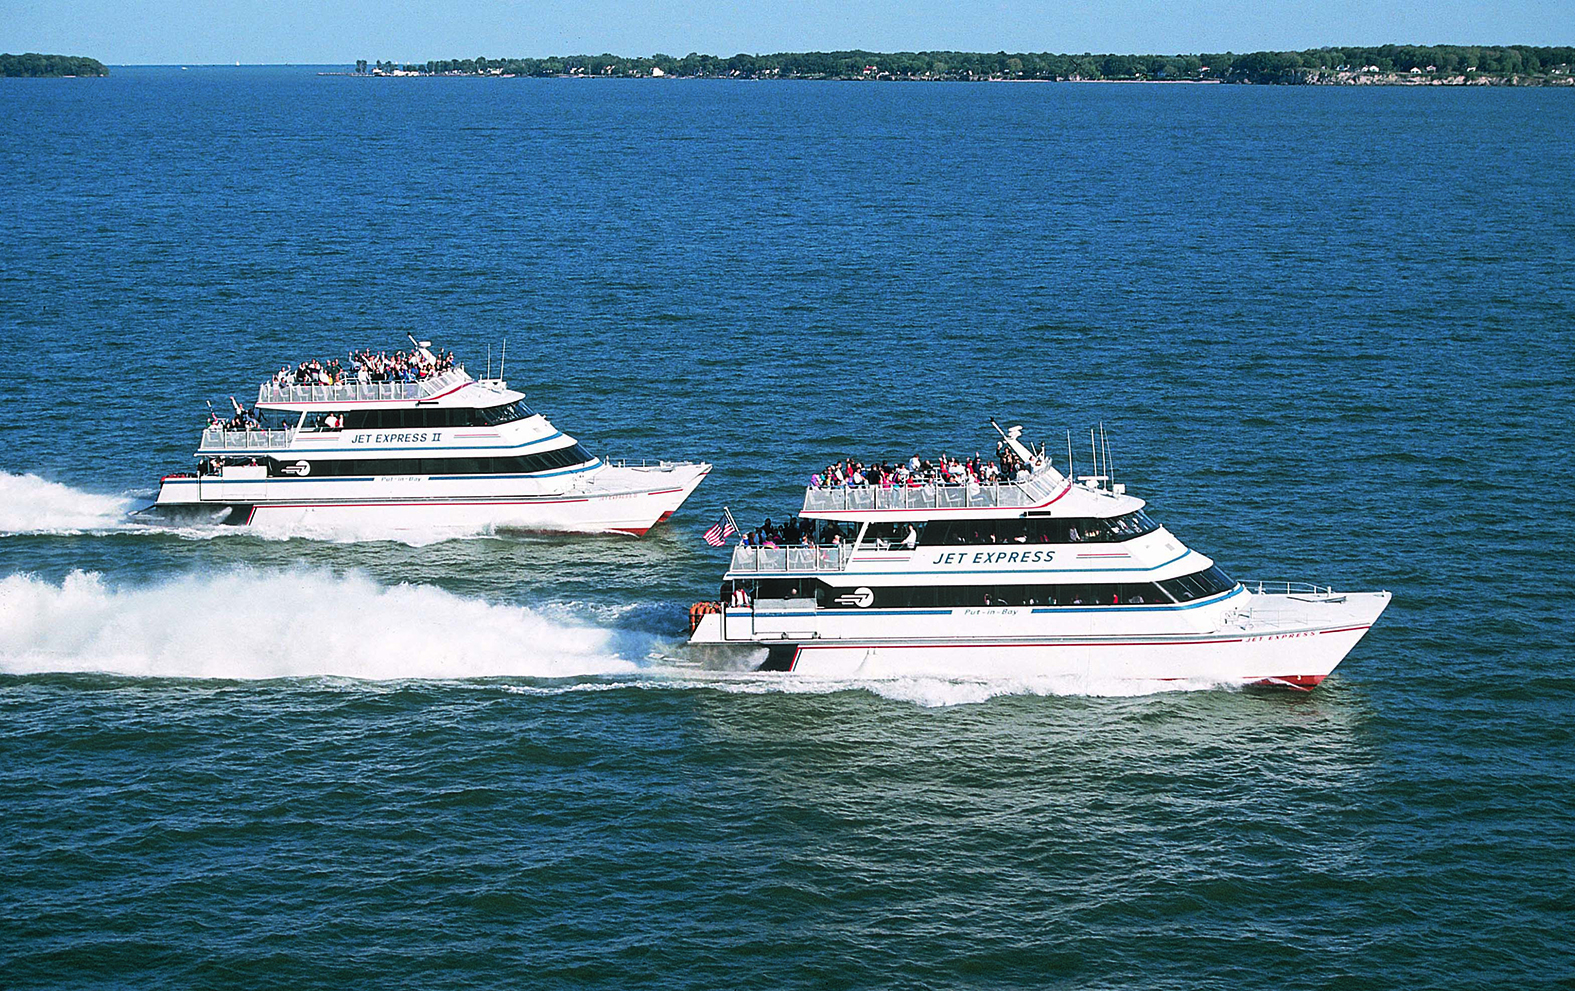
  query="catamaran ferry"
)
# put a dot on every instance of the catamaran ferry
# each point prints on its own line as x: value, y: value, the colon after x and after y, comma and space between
x: 413, y: 446
x: 1033, y: 574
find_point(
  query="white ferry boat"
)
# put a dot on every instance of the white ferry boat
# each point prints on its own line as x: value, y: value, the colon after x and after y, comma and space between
x: 1034, y: 576
x: 445, y: 450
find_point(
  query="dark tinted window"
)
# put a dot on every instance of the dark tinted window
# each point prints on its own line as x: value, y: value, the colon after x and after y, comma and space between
x: 525, y: 464
x: 435, y: 417
x: 962, y: 596
x: 507, y: 413
x: 1198, y: 586
x: 1031, y: 530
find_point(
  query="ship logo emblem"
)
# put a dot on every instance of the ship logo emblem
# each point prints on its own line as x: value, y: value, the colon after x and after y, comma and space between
x: 861, y: 597
x: 300, y: 468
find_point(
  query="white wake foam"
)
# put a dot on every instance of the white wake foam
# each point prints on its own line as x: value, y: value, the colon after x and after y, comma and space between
x: 33, y: 505
x: 249, y: 624
x: 926, y: 692
x: 29, y: 504
x: 252, y: 624
x: 347, y: 532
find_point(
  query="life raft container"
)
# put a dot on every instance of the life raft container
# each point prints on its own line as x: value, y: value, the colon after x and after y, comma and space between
x: 699, y: 611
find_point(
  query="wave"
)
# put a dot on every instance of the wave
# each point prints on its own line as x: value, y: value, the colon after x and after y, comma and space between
x: 32, y: 505
x: 925, y: 692
x: 29, y: 504
x: 246, y: 624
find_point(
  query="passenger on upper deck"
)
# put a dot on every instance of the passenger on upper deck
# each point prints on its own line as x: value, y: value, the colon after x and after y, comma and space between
x: 401, y: 366
x: 945, y: 471
x: 796, y: 532
x: 244, y: 419
x: 366, y: 366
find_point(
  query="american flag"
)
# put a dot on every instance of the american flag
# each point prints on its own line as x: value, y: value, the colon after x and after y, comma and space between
x: 724, y: 528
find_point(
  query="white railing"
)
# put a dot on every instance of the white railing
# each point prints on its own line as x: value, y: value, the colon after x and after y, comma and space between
x: 220, y: 439
x: 268, y: 392
x: 643, y: 463
x: 830, y: 557
x: 1287, y: 588
x: 1029, y: 492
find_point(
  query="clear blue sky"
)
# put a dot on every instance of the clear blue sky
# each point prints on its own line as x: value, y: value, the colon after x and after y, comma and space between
x: 193, y: 31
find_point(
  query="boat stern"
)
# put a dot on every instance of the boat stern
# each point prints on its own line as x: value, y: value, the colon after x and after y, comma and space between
x: 179, y: 490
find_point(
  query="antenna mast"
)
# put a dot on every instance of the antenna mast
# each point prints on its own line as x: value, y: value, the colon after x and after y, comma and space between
x: 1104, y: 443
x: 504, y: 359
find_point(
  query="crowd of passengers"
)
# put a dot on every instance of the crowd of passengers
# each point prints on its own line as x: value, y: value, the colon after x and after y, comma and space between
x: 215, y: 466
x: 366, y: 367
x: 945, y: 470
x: 244, y: 419
x: 796, y: 532
x: 248, y: 419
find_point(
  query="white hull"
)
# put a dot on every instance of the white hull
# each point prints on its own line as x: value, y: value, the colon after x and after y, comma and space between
x: 1278, y: 639
x: 609, y: 499
x: 440, y: 452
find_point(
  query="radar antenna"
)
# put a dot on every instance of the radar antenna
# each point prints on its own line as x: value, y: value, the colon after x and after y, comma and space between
x: 423, y: 346
x: 1011, y: 436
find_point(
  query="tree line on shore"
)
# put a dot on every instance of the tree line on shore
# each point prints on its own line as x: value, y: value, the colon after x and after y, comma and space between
x: 34, y: 64
x: 1313, y: 65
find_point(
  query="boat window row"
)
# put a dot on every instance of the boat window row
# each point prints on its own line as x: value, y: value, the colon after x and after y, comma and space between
x: 1029, y: 530
x: 525, y: 464
x: 419, y: 417
x: 1201, y: 585
x: 1198, y: 586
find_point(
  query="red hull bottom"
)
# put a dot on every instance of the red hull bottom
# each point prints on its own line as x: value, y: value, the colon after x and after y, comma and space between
x: 1300, y: 682
x: 642, y: 531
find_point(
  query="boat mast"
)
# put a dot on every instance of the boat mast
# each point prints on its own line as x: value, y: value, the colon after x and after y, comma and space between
x: 1104, y: 443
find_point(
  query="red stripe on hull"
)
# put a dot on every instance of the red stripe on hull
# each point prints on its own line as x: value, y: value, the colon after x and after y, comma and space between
x: 439, y: 503
x: 878, y: 644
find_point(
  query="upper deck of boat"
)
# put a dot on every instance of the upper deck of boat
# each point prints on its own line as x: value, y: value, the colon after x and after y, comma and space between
x: 1044, y: 488
x: 429, y: 389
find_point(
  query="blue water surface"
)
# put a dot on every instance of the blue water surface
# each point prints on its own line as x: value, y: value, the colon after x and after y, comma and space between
x: 1328, y: 332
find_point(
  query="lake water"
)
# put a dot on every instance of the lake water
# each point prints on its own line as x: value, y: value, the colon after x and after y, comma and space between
x: 1328, y: 330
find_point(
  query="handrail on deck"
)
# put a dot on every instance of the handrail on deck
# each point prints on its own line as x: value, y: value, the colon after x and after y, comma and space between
x: 1286, y: 588
x: 220, y: 439
x: 824, y: 557
x: 268, y: 392
x: 1030, y: 491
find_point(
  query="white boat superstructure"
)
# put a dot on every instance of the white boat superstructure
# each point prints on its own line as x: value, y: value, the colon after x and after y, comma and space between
x: 1039, y: 575
x: 446, y: 450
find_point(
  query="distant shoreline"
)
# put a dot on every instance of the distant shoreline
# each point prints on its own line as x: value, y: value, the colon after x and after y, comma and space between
x: 1383, y: 65
x: 1391, y: 80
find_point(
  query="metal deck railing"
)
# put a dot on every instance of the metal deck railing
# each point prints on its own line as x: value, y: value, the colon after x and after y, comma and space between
x: 830, y: 557
x: 220, y: 439
x: 1287, y: 588
x: 1030, y: 491
x: 268, y: 392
